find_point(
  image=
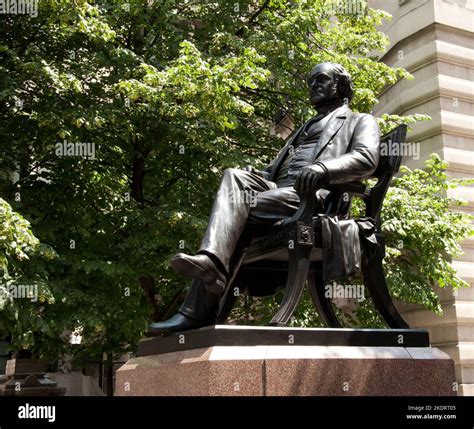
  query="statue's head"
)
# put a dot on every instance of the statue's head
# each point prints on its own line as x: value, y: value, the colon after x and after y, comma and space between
x: 329, y: 82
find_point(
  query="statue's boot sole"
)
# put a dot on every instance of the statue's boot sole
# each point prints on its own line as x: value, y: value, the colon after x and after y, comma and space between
x: 213, y: 280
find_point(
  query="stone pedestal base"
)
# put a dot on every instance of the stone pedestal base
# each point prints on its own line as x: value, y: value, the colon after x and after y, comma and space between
x: 27, y: 377
x: 289, y: 371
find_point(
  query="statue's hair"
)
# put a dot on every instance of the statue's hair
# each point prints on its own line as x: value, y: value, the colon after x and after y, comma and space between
x: 345, y: 86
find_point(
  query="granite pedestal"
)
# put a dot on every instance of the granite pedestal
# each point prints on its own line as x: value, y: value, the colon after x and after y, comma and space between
x: 254, y: 361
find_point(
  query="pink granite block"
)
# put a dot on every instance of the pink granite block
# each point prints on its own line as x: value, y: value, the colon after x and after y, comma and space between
x: 357, y: 371
x: 289, y: 371
x: 236, y: 378
x: 184, y: 373
x: 191, y: 373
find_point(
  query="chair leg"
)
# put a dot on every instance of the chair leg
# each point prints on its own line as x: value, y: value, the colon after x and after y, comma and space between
x: 374, y: 280
x: 227, y: 302
x: 321, y: 302
x: 298, y: 269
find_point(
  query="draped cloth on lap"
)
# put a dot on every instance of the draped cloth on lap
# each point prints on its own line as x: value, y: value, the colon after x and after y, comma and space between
x: 342, y: 245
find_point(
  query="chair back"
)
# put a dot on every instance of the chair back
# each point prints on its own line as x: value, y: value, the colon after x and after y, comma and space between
x: 391, y: 149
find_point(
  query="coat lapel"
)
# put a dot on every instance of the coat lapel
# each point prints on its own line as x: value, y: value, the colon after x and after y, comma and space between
x: 333, y: 125
x: 318, y: 127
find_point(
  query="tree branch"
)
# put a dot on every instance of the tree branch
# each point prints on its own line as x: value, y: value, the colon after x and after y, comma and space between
x: 259, y: 11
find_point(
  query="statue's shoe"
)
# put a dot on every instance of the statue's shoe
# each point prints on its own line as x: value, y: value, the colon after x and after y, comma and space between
x: 178, y: 323
x: 200, y: 267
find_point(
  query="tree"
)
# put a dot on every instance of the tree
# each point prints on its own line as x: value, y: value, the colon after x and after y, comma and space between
x: 120, y: 117
x: 24, y: 289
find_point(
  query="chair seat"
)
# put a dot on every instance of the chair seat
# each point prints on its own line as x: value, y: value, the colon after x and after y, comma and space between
x: 275, y: 245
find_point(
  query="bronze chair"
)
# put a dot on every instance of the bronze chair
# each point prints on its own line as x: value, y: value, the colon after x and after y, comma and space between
x: 267, y: 263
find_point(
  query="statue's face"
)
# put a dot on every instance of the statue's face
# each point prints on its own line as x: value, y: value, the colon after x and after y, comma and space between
x: 322, y: 84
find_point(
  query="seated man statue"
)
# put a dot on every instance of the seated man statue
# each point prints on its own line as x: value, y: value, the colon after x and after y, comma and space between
x: 334, y: 147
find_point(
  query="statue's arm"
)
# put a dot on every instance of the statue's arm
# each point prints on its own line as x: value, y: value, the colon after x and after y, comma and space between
x: 362, y: 159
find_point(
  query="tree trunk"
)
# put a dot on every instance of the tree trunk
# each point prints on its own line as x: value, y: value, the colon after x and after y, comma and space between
x: 138, y: 175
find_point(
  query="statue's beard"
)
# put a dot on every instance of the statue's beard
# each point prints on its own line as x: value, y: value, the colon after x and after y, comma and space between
x: 333, y: 101
x: 330, y: 105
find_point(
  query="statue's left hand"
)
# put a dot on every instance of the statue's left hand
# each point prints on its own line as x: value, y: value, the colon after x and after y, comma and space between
x: 309, y: 179
x: 253, y: 170
x: 250, y: 169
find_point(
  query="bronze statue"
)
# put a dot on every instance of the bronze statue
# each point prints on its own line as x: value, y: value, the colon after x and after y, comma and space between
x: 334, y: 147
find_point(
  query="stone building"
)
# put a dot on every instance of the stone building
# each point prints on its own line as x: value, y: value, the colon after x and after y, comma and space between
x: 433, y: 39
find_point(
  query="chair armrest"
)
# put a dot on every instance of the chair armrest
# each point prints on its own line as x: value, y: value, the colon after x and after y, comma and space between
x: 305, y: 210
x: 355, y: 189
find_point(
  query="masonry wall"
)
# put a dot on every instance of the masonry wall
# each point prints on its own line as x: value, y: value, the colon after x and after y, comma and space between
x: 433, y: 39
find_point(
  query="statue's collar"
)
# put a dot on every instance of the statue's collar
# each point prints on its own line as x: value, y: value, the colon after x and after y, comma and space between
x: 342, y: 112
x: 338, y: 112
